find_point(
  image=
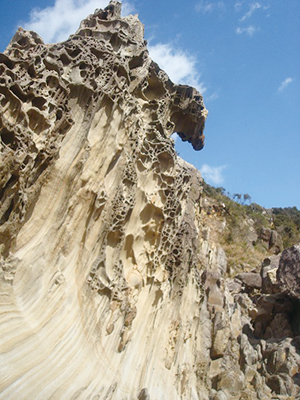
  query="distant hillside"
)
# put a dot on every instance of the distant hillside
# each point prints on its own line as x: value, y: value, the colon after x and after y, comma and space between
x: 249, y: 232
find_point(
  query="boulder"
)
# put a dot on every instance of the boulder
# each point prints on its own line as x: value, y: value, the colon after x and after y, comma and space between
x: 272, y: 316
x: 288, y: 273
x: 272, y: 239
x: 268, y: 274
x: 251, y: 280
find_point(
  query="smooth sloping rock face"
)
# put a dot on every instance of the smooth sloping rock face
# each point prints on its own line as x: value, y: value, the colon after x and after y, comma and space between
x: 110, y: 288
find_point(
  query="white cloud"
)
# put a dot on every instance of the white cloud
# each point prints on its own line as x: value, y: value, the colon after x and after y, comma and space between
x: 250, y: 30
x: 213, y: 175
x: 284, y: 84
x: 252, y: 9
x: 238, y: 5
x: 178, y: 64
x: 56, y: 23
x: 206, y: 7
x: 212, y: 97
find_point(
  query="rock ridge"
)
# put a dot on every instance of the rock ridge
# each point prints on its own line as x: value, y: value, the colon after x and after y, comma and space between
x: 110, y: 287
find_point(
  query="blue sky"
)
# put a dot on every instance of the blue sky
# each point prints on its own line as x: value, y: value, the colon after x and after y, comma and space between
x: 244, y: 56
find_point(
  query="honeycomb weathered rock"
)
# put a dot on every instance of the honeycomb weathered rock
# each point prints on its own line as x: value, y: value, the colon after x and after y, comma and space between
x: 109, y: 288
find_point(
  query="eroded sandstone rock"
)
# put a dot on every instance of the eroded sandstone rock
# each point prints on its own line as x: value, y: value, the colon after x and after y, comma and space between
x: 110, y: 287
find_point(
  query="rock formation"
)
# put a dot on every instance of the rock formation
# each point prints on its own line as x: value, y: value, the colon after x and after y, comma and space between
x: 288, y: 273
x: 111, y: 287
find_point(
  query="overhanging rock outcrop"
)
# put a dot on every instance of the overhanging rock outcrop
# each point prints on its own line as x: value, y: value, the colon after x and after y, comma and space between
x: 110, y: 289
x: 105, y: 72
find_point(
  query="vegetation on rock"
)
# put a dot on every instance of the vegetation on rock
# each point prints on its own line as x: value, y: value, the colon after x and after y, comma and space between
x: 248, y: 228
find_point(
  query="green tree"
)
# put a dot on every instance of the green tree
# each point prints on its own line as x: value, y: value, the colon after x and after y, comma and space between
x: 246, y: 197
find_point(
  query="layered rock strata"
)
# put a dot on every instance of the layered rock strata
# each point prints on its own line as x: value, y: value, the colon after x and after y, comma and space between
x: 110, y: 287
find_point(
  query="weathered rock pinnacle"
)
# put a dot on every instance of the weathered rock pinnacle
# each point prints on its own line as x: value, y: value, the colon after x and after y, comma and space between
x: 109, y: 288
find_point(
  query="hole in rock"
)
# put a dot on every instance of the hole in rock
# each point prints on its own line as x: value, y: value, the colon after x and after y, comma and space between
x: 155, y: 88
x: 64, y: 59
x: 150, y: 212
x: 166, y: 161
x: 102, y: 15
x: 23, y: 41
x: 74, y: 53
x: 183, y: 125
x: 115, y: 42
x: 122, y: 72
x: 5, y: 60
x: 37, y: 122
x: 10, y: 183
x: 41, y: 168
x: 38, y: 102
x: 83, y: 66
x: 37, y: 60
x: 18, y: 92
x: 59, y: 114
x: 97, y: 53
x: 105, y: 292
x: 113, y: 161
x: 128, y: 183
x: 97, y: 72
x: 8, y: 138
x: 51, y: 107
x: 113, y: 239
x: 7, y: 213
x: 136, y: 62
x: 185, y: 151
x: 52, y: 81
x: 25, y: 162
x: 31, y: 71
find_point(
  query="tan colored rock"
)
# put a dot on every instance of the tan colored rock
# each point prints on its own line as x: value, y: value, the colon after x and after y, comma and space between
x: 269, y: 274
x: 109, y: 286
x: 220, y: 335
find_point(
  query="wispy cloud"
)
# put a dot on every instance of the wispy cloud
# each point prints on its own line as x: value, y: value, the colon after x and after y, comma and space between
x: 56, y: 23
x: 284, y: 84
x: 178, y: 64
x: 249, y: 30
x: 238, y: 5
x: 212, y: 97
x: 253, y: 7
x: 207, y: 7
x: 213, y: 175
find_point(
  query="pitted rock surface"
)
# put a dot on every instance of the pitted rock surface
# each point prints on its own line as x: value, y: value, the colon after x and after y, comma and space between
x: 109, y: 286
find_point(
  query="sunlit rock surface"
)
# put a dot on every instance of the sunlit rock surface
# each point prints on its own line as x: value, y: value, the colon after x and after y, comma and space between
x: 110, y: 285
